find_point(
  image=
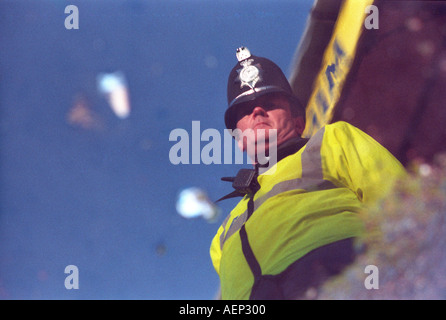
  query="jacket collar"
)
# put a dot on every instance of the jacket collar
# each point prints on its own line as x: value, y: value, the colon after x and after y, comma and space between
x: 286, y: 149
x: 289, y: 147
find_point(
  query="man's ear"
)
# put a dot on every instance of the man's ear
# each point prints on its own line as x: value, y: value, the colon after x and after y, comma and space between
x: 299, y: 124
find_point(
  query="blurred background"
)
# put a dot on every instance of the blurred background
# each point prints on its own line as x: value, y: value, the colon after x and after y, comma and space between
x: 90, y: 185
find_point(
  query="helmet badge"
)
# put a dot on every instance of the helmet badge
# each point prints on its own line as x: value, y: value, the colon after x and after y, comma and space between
x: 249, y: 74
x: 242, y: 53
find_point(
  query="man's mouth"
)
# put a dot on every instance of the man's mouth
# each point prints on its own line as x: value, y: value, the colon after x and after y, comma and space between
x: 260, y: 124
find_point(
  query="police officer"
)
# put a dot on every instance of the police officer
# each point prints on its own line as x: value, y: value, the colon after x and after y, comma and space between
x: 296, y: 226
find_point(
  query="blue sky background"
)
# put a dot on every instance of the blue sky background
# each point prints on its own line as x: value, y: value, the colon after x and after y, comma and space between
x: 103, y: 198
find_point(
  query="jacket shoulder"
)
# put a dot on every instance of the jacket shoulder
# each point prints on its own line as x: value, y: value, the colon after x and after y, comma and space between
x: 342, y: 125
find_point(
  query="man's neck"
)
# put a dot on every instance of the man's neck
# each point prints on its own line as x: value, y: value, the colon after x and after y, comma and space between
x: 288, y: 148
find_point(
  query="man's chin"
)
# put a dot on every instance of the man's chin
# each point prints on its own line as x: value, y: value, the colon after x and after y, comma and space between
x: 262, y: 150
x: 260, y: 144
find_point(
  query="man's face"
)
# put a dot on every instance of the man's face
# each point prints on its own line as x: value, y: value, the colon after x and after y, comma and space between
x: 271, y: 111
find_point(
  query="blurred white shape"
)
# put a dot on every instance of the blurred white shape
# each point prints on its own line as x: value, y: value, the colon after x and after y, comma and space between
x: 210, y: 61
x: 114, y: 87
x: 425, y: 169
x: 194, y: 202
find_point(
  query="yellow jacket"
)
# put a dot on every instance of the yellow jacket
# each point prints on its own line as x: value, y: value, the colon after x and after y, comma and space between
x: 311, y: 200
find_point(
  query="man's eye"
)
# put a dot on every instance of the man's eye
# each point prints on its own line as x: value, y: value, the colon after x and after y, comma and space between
x: 244, y: 112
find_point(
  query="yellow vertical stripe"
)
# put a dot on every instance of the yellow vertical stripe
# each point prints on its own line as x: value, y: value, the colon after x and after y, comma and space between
x: 336, y: 64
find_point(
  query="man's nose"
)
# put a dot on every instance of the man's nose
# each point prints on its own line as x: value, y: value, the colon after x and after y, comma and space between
x: 258, y: 111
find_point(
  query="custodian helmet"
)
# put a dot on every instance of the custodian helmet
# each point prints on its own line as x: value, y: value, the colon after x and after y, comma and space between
x: 251, y: 78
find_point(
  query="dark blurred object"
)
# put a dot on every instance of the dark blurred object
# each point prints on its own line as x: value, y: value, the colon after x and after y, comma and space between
x: 406, y: 239
x: 308, y: 57
x: 395, y: 88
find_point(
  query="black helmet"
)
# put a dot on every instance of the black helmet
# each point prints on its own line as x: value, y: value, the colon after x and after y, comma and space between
x: 251, y: 78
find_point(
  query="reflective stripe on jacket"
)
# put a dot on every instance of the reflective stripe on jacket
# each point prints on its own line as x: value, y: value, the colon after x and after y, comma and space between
x: 311, y: 200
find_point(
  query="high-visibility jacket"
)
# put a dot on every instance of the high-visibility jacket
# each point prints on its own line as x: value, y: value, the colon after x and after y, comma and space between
x: 312, y: 199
